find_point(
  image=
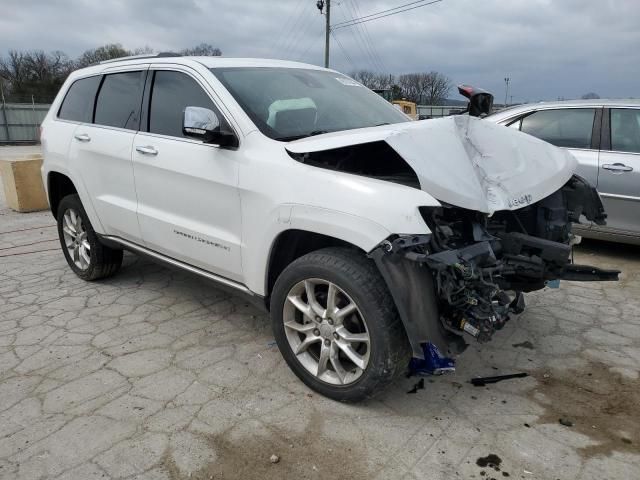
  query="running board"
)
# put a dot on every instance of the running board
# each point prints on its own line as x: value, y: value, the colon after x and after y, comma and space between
x: 177, y: 263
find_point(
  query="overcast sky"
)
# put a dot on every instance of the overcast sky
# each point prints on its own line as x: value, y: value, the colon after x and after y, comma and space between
x: 549, y: 48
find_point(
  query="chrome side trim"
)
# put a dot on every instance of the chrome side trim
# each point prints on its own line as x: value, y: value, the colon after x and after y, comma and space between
x: 179, y: 264
x: 621, y: 197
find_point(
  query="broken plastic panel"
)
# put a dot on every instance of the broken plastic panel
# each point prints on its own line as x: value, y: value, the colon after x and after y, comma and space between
x: 434, y: 363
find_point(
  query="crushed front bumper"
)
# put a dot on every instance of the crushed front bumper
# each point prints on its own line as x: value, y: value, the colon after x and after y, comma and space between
x: 467, y: 277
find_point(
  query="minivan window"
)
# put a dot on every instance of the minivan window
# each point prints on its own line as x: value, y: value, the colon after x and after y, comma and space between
x: 119, y: 100
x: 625, y: 130
x: 564, y: 127
x: 77, y: 105
x: 172, y: 92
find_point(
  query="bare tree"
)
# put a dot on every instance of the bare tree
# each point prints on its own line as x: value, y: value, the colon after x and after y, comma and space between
x: 202, y: 50
x: 412, y: 85
x: 146, y: 50
x: 384, y: 80
x: 437, y: 88
x: 34, y: 73
x: 430, y: 88
x: 41, y: 74
x: 365, y: 77
x: 100, y: 54
x: 14, y: 71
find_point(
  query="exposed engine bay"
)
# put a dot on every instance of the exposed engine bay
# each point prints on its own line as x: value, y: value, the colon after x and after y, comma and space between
x: 478, y: 265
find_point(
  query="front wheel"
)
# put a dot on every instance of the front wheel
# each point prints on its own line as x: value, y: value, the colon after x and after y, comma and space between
x: 336, y: 325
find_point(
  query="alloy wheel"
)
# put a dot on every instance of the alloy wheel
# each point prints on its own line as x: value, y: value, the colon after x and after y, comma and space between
x: 326, y: 331
x: 75, y: 239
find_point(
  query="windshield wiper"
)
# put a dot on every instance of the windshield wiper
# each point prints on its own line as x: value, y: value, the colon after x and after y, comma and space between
x: 298, y: 137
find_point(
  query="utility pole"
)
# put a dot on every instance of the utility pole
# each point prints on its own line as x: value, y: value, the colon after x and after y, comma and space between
x: 506, y: 90
x: 321, y: 4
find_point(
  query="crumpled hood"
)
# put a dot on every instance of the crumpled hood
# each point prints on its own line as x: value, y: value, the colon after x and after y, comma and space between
x: 465, y: 161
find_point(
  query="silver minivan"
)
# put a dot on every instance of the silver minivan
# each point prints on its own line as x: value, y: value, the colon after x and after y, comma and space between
x: 604, y: 135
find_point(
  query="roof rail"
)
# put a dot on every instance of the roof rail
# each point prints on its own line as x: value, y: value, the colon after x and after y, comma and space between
x: 144, y: 55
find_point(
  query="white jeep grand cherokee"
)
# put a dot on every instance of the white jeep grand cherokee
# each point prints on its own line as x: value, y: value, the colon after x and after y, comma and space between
x: 367, y: 236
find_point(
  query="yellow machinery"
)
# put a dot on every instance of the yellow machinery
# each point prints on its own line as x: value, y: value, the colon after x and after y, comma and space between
x: 407, y: 107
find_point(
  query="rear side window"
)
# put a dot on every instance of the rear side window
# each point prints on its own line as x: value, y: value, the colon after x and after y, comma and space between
x: 172, y: 92
x: 78, y: 103
x: 625, y: 130
x: 569, y: 127
x: 119, y: 100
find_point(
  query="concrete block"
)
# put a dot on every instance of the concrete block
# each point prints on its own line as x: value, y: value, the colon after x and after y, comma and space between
x: 22, y: 181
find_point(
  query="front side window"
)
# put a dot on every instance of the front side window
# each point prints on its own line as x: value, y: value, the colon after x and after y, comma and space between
x: 625, y: 130
x: 565, y: 127
x: 290, y: 103
x: 77, y: 105
x: 119, y: 100
x: 171, y: 94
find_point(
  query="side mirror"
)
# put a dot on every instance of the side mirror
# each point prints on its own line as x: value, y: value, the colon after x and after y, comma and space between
x: 480, y: 101
x: 204, y: 124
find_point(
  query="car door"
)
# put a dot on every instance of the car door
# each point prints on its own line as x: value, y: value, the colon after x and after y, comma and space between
x: 100, y: 151
x: 619, y: 173
x: 188, y: 200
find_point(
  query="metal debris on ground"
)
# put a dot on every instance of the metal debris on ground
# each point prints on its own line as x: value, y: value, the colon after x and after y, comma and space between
x: 418, y: 386
x: 482, y: 381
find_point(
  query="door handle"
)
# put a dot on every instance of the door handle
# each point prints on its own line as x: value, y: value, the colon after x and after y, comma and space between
x: 148, y: 150
x: 617, y: 167
x: 82, y: 137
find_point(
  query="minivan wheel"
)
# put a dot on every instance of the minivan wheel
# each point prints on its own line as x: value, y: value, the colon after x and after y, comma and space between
x: 87, y: 257
x: 336, y: 325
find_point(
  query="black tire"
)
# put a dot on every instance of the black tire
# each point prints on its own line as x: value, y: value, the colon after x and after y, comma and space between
x: 360, y: 279
x: 104, y: 261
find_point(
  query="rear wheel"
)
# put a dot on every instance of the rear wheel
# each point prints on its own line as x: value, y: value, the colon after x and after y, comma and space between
x: 86, y: 256
x: 336, y: 325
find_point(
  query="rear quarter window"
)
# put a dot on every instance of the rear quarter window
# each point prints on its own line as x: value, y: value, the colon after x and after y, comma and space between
x: 77, y: 105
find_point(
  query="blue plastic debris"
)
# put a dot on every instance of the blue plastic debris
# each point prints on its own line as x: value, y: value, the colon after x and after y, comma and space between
x: 552, y: 283
x: 434, y: 362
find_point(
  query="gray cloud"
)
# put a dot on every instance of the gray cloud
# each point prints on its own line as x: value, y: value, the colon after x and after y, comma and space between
x: 549, y: 48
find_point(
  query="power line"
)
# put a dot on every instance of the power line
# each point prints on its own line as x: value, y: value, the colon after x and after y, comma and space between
x: 382, y: 11
x: 377, y: 16
x: 297, y: 29
x: 372, y: 45
x: 358, y: 40
x: 286, y: 27
x: 359, y: 33
x: 344, y: 52
x: 310, y: 44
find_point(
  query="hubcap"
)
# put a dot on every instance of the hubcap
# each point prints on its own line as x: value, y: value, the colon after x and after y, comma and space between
x: 326, y: 331
x: 75, y: 239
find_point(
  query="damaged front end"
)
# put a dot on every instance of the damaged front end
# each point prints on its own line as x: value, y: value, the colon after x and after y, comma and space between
x: 467, y: 277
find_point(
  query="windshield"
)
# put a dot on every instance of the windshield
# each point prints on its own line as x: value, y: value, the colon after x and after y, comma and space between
x: 290, y: 103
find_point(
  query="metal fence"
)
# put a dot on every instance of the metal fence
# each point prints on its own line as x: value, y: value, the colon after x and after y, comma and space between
x: 19, y: 122
x: 436, y: 111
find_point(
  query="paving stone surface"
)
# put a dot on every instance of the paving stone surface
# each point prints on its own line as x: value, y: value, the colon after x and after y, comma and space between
x: 155, y: 374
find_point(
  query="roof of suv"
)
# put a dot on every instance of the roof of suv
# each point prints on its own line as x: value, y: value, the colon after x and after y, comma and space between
x: 209, y: 62
x: 597, y: 102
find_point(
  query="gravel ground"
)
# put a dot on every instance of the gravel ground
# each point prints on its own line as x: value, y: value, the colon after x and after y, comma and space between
x: 155, y: 374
